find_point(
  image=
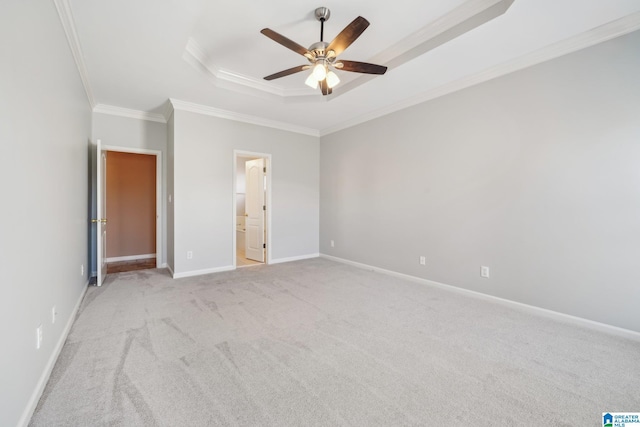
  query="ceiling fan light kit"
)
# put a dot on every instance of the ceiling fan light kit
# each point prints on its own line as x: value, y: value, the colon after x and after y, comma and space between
x: 323, y: 56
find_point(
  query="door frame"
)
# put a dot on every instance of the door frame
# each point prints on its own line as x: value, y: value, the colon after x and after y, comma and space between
x: 159, y: 198
x: 268, y: 164
x: 101, y: 213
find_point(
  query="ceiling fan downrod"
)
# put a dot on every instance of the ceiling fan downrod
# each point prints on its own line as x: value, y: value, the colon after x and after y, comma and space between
x: 322, y: 15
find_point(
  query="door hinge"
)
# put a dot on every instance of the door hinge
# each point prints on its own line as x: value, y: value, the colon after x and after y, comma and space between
x: 264, y: 169
x: 264, y: 207
x: 264, y: 246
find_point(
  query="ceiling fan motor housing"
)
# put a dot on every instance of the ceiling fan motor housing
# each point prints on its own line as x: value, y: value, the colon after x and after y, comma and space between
x: 319, y: 51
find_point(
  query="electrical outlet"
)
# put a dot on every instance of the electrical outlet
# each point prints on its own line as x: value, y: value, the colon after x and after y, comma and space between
x: 333, y: 244
x: 54, y: 313
x: 423, y: 260
x: 484, y: 272
x: 39, y: 337
x: 189, y: 254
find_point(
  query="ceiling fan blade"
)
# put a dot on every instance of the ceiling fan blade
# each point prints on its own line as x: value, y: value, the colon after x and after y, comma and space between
x: 324, y: 87
x: 279, y: 38
x: 347, y: 36
x: 362, y: 67
x: 287, y: 72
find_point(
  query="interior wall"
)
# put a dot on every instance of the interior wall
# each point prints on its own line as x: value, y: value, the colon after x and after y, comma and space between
x: 131, y: 133
x: 131, y: 204
x: 204, y: 193
x: 45, y: 126
x: 535, y: 175
x: 170, y: 219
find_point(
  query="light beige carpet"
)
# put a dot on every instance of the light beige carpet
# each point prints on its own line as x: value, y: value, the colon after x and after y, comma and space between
x: 318, y: 343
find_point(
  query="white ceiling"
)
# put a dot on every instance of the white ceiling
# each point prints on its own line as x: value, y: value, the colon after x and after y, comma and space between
x: 209, y: 56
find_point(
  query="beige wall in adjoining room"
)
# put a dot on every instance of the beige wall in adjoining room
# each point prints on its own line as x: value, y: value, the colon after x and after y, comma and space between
x: 131, y: 204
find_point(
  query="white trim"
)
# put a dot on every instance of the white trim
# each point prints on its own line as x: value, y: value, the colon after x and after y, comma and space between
x: 167, y: 111
x: 580, y: 321
x: 202, y: 272
x: 457, y: 22
x: 132, y: 150
x: 159, y: 198
x: 239, y: 117
x: 268, y: 165
x: 469, y: 15
x: 168, y: 267
x: 130, y: 257
x: 257, y: 264
x: 127, y: 112
x: 196, y: 57
x: 44, y: 378
x: 294, y: 258
x: 66, y: 18
x: 589, y: 38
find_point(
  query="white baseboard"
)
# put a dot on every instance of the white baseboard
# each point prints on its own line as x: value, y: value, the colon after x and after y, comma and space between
x: 580, y: 321
x: 130, y: 257
x: 168, y: 267
x: 294, y: 258
x: 44, y: 378
x: 201, y: 272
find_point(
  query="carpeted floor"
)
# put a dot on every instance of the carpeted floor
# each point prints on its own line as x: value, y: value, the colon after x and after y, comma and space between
x: 319, y: 343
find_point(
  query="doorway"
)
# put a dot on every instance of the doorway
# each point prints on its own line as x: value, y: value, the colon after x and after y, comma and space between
x: 133, y: 202
x: 252, y: 219
x: 131, y: 211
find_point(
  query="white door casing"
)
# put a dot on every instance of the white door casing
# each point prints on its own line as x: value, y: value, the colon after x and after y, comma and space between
x: 255, y: 210
x: 101, y: 214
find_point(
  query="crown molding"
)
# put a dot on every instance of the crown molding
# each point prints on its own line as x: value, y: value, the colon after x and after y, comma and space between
x: 589, y: 38
x: 239, y: 117
x: 167, y: 111
x: 196, y: 57
x: 126, y: 112
x: 460, y: 20
x: 464, y: 18
x: 66, y: 18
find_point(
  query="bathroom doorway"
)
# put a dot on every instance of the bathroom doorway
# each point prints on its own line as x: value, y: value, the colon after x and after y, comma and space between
x: 251, y: 187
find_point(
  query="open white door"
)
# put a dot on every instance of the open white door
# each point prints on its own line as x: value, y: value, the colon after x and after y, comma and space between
x: 101, y: 213
x: 255, y: 210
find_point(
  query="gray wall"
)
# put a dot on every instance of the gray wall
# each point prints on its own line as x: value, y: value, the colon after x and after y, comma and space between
x: 45, y: 126
x: 535, y: 174
x: 203, y: 170
x: 169, y: 196
x: 126, y: 133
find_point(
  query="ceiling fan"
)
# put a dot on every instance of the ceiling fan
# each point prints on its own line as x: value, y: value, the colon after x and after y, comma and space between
x: 323, y: 56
